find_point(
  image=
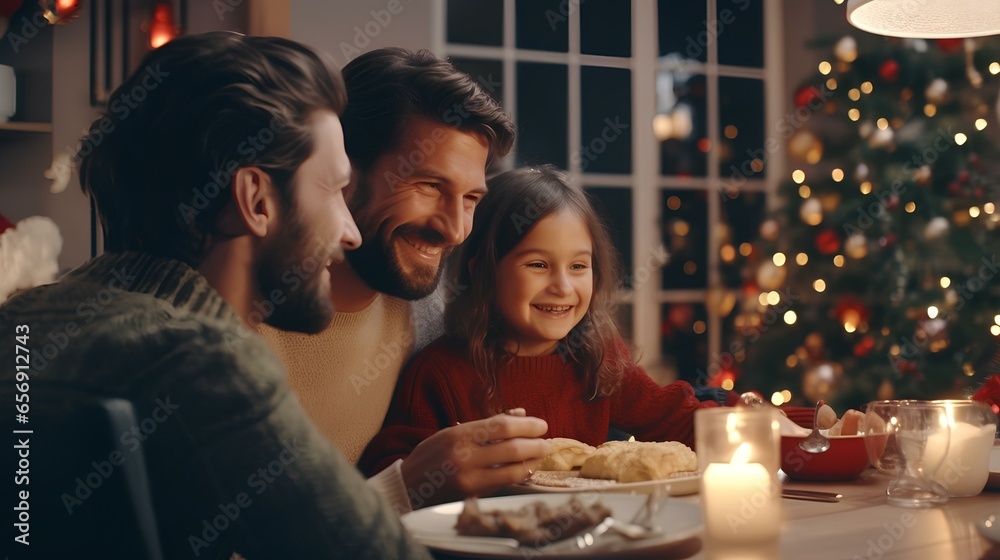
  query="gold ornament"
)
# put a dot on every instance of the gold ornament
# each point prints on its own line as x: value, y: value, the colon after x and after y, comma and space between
x: 846, y: 49
x: 769, y: 230
x: 936, y: 228
x: 771, y: 276
x: 814, y: 345
x: 937, y: 91
x: 830, y: 201
x: 886, y: 391
x: 880, y: 138
x: 856, y: 246
x: 923, y: 175
x: 811, y: 212
x: 961, y: 218
x: 820, y: 380
x: 805, y: 146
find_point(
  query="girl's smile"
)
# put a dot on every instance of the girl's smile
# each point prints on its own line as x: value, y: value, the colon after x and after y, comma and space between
x: 545, y: 284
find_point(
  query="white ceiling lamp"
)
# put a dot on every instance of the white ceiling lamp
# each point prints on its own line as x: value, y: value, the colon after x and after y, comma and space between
x: 927, y: 19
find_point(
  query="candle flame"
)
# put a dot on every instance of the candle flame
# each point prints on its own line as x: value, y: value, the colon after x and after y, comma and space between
x: 742, y: 455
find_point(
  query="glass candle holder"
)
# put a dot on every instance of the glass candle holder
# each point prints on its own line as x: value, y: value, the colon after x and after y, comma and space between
x: 739, y: 456
x: 966, y: 465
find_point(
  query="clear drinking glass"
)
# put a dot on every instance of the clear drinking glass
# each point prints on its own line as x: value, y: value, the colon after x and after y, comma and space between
x: 922, y: 432
x: 880, y: 435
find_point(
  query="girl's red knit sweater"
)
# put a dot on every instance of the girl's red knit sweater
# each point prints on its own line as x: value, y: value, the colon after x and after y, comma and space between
x: 440, y: 388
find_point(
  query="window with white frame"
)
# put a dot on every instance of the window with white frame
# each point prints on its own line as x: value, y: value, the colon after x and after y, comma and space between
x: 658, y: 108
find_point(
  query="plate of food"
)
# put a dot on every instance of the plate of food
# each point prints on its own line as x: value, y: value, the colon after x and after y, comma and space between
x: 615, y: 466
x: 523, y: 526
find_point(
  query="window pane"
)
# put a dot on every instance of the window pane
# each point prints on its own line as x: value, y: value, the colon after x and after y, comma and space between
x: 614, y: 204
x: 682, y: 29
x: 683, y: 340
x: 543, y: 25
x: 685, y: 234
x: 487, y: 73
x: 606, y: 27
x: 740, y: 31
x: 541, y: 114
x: 475, y: 22
x: 742, y: 151
x: 741, y: 219
x: 681, y: 123
x: 606, y: 120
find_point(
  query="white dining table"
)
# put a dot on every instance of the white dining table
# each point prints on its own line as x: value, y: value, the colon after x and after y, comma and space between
x: 863, y: 526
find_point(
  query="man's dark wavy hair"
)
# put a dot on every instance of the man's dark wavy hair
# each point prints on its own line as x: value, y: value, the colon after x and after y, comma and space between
x: 160, y: 160
x: 388, y: 86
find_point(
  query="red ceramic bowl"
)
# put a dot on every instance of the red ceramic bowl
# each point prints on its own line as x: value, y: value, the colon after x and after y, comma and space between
x: 846, y: 459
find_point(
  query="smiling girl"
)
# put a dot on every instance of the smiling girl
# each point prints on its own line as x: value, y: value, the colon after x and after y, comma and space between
x: 532, y: 328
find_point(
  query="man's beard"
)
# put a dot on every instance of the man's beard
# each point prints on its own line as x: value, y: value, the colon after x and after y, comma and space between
x: 307, y: 307
x: 379, y: 266
x: 376, y: 261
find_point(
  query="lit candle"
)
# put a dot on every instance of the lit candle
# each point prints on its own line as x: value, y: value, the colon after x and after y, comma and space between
x: 740, y: 500
x: 966, y: 465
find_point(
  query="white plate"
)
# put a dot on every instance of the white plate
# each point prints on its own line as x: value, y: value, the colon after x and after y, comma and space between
x: 434, y: 526
x: 990, y: 527
x: 679, y: 486
x: 993, y: 482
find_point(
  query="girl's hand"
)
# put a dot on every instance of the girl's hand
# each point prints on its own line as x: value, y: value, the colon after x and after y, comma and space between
x: 475, y: 458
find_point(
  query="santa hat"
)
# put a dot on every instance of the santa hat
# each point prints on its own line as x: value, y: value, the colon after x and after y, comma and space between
x: 29, y: 254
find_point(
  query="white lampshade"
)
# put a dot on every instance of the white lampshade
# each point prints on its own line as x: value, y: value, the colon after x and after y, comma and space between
x: 928, y: 19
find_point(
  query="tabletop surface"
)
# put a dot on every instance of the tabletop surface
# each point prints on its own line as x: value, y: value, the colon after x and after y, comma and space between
x: 863, y: 526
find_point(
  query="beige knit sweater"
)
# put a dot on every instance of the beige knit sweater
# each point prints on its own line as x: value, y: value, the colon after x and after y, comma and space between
x: 345, y: 375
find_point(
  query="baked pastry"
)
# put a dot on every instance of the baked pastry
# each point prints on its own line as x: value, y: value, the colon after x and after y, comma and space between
x: 567, y: 454
x: 634, y: 461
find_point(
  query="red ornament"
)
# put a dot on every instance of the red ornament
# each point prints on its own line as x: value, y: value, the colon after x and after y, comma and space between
x: 889, y: 70
x: 888, y: 240
x: 949, y: 45
x: 963, y: 177
x: 851, y: 309
x: 864, y: 347
x: 805, y: 96
x: 974, y: 161
x: 954, y: 188
x: 723, y: 375
x: 892, y: 202
x: 977, y: 192
x: 828, y: 242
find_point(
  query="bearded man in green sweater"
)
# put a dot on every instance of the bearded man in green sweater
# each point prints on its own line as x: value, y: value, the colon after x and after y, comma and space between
x: 218, y: 173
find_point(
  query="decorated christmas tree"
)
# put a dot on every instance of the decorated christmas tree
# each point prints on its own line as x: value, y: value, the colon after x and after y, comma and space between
x: 880, y: 275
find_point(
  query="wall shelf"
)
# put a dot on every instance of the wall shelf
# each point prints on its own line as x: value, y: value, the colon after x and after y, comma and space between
x: 26, y: 127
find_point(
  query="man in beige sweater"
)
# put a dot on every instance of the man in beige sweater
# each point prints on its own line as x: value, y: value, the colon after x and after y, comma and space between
x: 420, y: 136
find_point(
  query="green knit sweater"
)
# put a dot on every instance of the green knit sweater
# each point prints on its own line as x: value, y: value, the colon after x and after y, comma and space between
x: 153, y: 331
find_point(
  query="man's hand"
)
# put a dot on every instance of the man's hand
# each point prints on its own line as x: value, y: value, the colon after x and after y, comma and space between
x: 475, y: 458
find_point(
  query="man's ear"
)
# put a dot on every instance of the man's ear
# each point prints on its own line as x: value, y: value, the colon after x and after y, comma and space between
x: 256, y: 200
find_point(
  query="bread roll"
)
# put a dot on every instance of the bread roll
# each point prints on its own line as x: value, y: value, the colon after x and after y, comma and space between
x: 639, y: 461
x: 567, y: 454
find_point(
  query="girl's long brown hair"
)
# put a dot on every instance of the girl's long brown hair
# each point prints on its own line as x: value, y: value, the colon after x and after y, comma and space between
x: 516, y: 201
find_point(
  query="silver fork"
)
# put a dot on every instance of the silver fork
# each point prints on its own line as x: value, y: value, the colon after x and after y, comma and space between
x: 640, y: 527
